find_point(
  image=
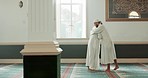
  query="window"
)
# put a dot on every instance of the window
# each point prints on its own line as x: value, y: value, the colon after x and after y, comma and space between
x: 71, y: 18
x: 134, y: 14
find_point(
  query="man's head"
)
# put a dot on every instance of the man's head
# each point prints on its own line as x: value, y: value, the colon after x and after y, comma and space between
x: 97, y: 22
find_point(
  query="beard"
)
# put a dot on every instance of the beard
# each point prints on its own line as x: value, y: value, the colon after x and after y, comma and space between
x: 96, y: 25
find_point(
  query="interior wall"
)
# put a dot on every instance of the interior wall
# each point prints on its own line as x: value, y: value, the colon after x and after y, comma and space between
x: 13, y: 21
x: 41, y: 27
x: 119, y: 31
x: 41, y: 23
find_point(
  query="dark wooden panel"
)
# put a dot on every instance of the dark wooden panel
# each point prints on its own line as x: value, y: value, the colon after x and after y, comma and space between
x: 79, y: 51
x: 122, y: 51
x: 41, y: 66
x: 10, y: 51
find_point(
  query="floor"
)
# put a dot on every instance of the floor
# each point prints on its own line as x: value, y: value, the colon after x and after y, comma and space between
x: 137, y: 70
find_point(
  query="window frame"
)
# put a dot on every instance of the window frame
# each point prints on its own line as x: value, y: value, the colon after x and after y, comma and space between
x: 71, y: 40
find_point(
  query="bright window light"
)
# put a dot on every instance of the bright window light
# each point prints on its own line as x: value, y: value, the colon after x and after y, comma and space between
x: 71, y: 18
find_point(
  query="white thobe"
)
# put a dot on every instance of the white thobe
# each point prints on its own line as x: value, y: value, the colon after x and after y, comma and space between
x: 93, y: 49
x: 107, y: 47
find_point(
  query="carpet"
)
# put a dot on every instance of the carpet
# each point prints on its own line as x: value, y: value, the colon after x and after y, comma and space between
x: 136, y: 70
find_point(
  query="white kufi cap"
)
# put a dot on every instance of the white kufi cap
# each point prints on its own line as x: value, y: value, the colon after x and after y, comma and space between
x: 96, y: 20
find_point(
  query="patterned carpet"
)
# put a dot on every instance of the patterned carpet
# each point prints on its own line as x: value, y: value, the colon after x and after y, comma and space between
x: 80, y: 71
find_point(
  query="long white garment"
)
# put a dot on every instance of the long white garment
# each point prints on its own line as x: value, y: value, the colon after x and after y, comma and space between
x: 93, y: 49
x: 108, y: 53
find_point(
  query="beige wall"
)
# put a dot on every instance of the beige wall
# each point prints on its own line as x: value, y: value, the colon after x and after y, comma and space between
x: 41, y: 22
x: 13, y: 21
x: 119, y: 31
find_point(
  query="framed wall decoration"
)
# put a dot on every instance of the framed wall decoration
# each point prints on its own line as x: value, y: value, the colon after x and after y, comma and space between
x: 126, y: 10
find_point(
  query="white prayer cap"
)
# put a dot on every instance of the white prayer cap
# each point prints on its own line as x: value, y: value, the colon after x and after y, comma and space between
x: 96, y: 20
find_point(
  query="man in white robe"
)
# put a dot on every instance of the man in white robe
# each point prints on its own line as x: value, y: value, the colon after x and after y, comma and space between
x: 93, y: 48
x: 108, y: 54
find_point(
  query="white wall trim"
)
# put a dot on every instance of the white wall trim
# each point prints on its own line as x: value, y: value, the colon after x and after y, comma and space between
x: 121, y: 60
x: 72, y: 60
x: 85, y: 42
x: 11, y: 60
x: 12, y: 43
x: 77, y: 42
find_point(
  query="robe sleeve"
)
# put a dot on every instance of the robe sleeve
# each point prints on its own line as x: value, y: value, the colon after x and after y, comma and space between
x: 100, y: 36
x: 100, y: 29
